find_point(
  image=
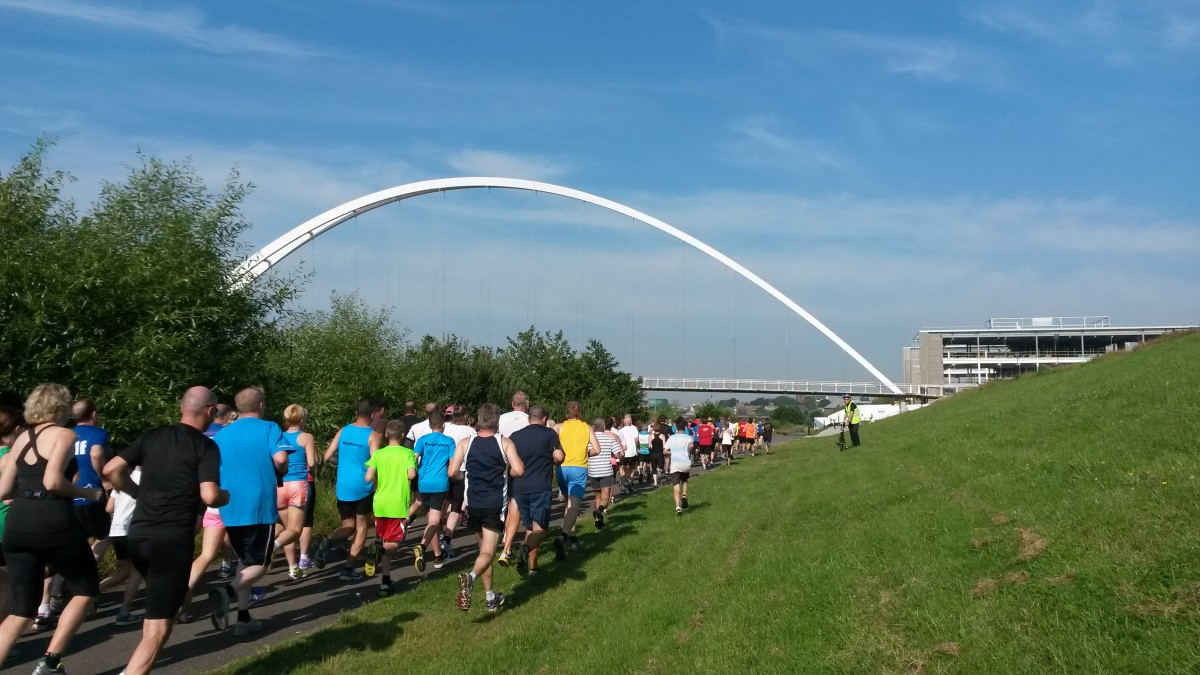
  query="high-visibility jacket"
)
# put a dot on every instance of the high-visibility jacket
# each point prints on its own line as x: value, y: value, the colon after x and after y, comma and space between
x: 852, y: 413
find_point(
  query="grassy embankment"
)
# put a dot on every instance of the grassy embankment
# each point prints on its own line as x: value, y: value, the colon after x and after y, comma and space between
x: 1047, y: 524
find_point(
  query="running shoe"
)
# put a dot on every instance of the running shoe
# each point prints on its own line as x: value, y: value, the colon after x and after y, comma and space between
x: 44, y: 622
x: 419, y: 558
x: 522, y: 554
x: 385, y: 590
x: 44, y: 668
x: 226, y: 571
x: 374, y: 557
x: 683, y: 500
x: 464, y: 591
x: 493, y: 605
x: 560, y: 547
x: 438, y: 561
x: 678, y: 511
x: 294, y: 573
x: 123, y: 619
x: 599, y: 519
x: 447, y: 545
x: 257, y: 595
x: 505, y: 559
x: 306, y: 566
x: 533, y: 571
x: 220, y: 611
x: 322, y: 555
x: 244, y: 628
x: 350, y: 574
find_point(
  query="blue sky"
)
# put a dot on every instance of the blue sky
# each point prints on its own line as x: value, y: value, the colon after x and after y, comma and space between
x: 890, y: 166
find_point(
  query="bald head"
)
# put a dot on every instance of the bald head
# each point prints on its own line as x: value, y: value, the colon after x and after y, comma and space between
x: 196, y: 407
x: 197, y: 400
x: 83, y: 410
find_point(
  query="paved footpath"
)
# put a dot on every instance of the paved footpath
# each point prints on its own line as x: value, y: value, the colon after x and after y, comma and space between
x: 290, y: 609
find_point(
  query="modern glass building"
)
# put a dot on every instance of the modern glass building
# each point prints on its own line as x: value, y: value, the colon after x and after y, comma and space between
x: 1005, y: 348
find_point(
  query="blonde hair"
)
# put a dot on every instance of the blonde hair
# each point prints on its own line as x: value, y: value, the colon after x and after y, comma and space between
x: 48, y: 403
x: 294, y: 414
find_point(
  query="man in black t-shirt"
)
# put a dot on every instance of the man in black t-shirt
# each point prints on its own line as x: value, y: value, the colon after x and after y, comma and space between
x: 181, y: 473
x: 539, y: 449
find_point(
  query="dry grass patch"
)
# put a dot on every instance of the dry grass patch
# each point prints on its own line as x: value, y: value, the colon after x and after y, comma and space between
x: 1019, y: 578
x: 950, y: 648
x: 1030, y: 544
x: 999, y: 519
x: 984, y: 587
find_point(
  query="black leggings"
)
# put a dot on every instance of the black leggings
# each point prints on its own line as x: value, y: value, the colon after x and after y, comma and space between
x: 657, y: 461
x: 27, y: 572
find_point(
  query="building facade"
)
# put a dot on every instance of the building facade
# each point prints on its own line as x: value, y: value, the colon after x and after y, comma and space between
x: 1005, y: 348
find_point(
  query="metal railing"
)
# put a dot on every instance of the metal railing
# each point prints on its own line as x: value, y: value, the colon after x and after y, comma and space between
x: 821, y: 387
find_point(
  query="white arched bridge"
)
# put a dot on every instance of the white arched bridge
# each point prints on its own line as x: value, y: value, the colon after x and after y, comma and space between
x: 258, y: 263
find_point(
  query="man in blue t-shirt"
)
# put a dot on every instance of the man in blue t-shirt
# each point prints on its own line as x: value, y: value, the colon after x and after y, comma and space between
x: 253, y: 455
x: 91, y: 446
x: 433, y: 451
x: 353, y: 445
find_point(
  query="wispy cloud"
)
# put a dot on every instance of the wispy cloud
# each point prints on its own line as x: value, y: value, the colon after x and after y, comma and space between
x: 477, y: 162
x: 1124, y: 32
x: 757, y: 144
x: 928, y: 59
x: 187, y: 26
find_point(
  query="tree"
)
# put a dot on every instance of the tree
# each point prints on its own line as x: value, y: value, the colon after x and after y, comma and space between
x: 708, y: 409
x: 131, y: 303
x: 728, y: 403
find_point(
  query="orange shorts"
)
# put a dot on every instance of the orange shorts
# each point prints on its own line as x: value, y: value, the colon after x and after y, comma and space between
x: 293, y: 493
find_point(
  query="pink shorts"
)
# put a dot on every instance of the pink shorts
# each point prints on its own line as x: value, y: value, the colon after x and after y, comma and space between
x: 212, y: 519
x: 293, y: 493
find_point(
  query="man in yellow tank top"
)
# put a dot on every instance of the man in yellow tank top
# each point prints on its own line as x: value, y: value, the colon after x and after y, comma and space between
x: 578, y: 442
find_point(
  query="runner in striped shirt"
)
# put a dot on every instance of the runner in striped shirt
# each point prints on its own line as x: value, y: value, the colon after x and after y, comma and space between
x: 600, y: 470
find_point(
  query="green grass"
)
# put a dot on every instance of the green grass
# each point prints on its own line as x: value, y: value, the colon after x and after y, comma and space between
x: 1046, y: 524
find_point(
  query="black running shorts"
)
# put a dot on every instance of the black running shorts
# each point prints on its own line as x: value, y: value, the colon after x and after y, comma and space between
x: 253, y: 544
x: 310, y: 509
x: 485, y: 518
x: 458, y: 490
x: 435, y: 501
x: 358, y: 507
x: 94, y: 519
x: 166, y: 567
x: 27, y: 567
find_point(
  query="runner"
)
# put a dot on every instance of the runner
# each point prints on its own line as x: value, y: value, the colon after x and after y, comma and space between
x: 180, y: 472
x: 390, y: 469
x: 727, y: 442
x: 416, y: 431
x: 578, y: 443
x: 706, y: 436
x: 643, y: 465
x: 352, y: 446
x: 768, y: 431
x: 292, y: 500
x: 629, y: 461
x: 539, y: 449
x: 40, y: 530
x: 681, y: 465
x: 600, y: 470
x: 657, y: 463
x: 486, y: 462
x: 12, y: 421
x: 751, y: 434
x: 123, y: 505
x: 253, y: 453
x: 460, y: 427
x: 517, y: 418
x: 91, y: 447
x: 433, y: 453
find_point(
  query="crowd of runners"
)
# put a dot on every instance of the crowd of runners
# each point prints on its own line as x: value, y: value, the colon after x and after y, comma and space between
x: 246, y: 488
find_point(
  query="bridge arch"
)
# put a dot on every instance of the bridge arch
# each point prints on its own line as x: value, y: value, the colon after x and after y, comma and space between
x: 258, y: 263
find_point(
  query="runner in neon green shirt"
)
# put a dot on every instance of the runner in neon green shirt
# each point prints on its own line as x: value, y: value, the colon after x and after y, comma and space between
x: 391, y: 469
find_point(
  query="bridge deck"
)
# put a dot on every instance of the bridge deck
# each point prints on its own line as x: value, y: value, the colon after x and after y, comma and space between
x: 808, y: 387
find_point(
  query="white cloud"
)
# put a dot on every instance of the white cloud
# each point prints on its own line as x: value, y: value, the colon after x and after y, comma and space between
x: 477, y: 162
x: 179, y: 24
x: 1125, y: 33
x: 756, y: 144
x: 933, y: 60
